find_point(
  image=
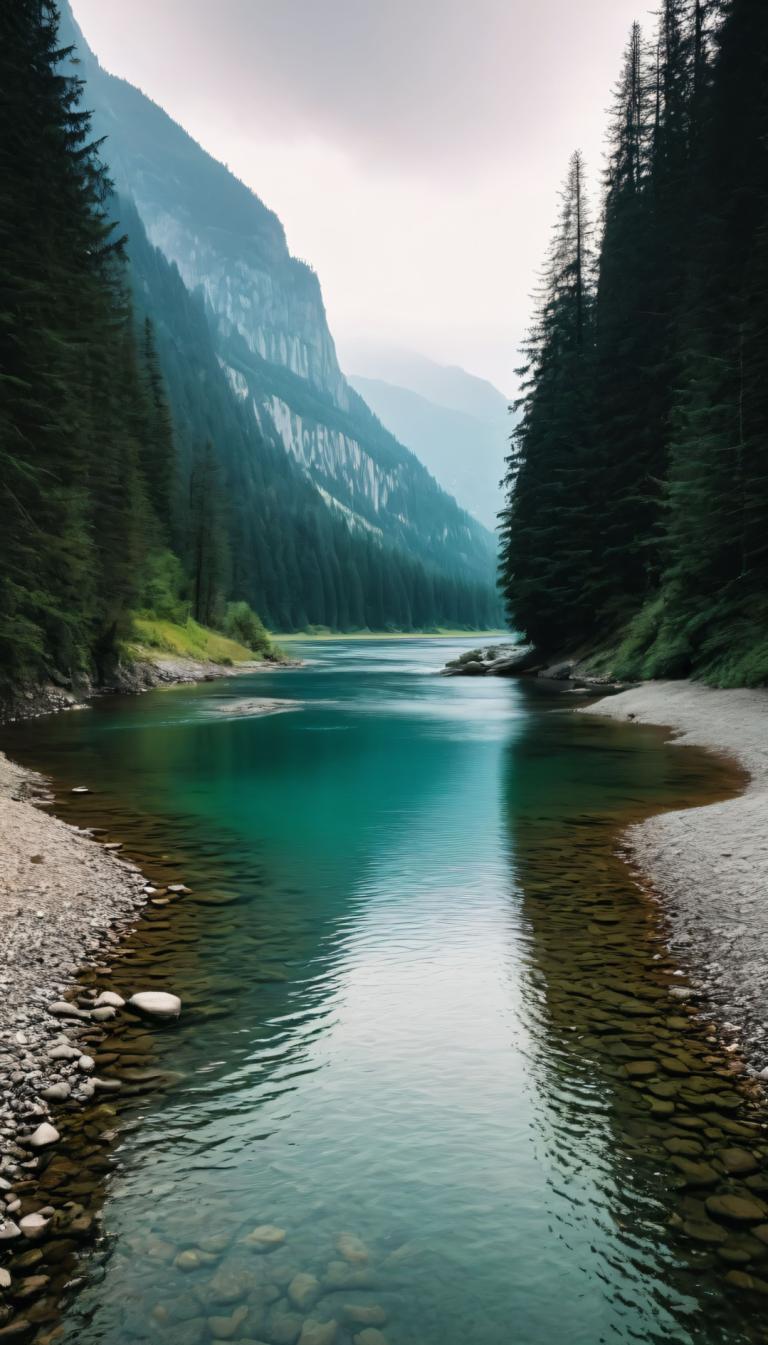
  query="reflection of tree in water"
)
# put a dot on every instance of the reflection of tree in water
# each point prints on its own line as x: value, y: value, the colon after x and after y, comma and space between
x: 278, y: 988
x: 635, y: 1107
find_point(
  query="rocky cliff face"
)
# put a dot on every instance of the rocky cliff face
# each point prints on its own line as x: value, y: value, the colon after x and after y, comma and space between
x: 266, y: 310
x: 278, y: 312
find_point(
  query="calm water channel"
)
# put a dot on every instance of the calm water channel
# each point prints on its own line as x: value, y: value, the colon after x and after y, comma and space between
x: 428, y: 1030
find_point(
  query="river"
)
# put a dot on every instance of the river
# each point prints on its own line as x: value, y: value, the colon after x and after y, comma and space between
x: 428, y: 1038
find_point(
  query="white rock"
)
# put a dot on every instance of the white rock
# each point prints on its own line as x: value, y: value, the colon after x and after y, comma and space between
x: 33, y: 1225
x: 86, y: 1063
x: 108, y: 1000
x: 5, y: 1278
x: 156, y: 1004
x: 44, y: 1135
x: 56, y: 1092
x: 81, y: 789
x: 62, y: 1052
x: 9, y: 1230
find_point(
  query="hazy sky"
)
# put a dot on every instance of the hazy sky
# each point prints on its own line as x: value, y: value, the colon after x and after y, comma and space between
x: 412, y: 148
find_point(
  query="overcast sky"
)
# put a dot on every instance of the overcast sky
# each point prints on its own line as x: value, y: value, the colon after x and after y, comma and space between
x: 412, y: 148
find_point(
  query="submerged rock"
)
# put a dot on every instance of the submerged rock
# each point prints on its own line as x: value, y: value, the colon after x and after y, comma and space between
x: 740, y: 1209
x: 303, y: 1290
x: 370, y: 1337
x: 318, y: 1333
x: 352, y: 1248
x: 265, y: 1237
x: 365, y: 1314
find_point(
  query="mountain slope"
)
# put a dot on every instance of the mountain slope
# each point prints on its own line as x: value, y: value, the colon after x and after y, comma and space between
x: 463, y: 453
x: 270, y: 330
x: 296, y: 561
x: 446, y: 385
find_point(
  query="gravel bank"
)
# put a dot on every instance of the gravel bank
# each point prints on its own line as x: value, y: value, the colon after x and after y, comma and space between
x: 63, y: 898
x: 709, y: 866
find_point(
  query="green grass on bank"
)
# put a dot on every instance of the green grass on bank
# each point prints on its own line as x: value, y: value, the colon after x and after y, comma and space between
x: 440, y: 634
x: 154, y: 635
x: 719, y: 649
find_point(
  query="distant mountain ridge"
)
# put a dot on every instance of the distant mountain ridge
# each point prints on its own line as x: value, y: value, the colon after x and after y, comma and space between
x: 457, y: 424
x: 272, y: 338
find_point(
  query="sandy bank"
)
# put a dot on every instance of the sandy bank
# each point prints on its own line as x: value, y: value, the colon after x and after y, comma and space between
x: 709, y: 866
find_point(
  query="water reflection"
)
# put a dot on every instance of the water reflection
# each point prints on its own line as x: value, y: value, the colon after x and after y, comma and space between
x: 402, y: 973
x: 633, y: 1100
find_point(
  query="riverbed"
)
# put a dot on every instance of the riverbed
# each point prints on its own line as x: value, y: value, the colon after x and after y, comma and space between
x: 435, y: 1076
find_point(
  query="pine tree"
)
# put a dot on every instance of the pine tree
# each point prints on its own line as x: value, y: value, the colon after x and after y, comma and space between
x: 209, y: 556
x: 547, y: 530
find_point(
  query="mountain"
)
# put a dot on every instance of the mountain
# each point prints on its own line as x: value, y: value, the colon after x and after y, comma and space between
x: 445, y: 384
x: 464, y: 453
x: 270, y: 332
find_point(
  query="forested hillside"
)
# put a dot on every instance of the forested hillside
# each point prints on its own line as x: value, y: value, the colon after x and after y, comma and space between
x: 132, y: 477
x: 637, y: 520
x: 270, y: 332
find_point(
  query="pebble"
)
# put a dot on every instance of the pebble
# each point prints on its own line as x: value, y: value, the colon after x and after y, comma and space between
x: 33, y: 1226
x: 63, y: 1053
x: 61, y: 1009
x: 9, y: 1231
x: 44, y: 1135
x: 108, y: 999
x: 5, y: 1278
x: 370, y: 1337
x: 86, y: 1063
x: 56, y: 1092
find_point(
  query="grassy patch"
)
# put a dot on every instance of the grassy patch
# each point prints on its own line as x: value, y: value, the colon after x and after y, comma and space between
x: 158, y: 636
x: 321, y: 633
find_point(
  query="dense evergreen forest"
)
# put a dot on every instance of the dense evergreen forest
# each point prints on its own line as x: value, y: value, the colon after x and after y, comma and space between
x: 637, y: 521
x: 123, y: 450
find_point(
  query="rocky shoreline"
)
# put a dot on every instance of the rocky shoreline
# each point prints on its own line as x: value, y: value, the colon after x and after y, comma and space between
x: 131, y: 680
x: 708, y: 867
x: 65, y: 900
x: 522, y: 660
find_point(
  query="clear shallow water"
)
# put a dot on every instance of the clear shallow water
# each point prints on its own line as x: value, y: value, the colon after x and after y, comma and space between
x: 414, y: 974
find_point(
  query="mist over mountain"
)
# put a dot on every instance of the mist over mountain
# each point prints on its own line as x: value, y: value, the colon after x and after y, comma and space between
x: 457, y: 424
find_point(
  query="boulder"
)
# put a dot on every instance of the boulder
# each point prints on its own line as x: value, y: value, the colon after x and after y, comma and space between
x: 155, y: 1004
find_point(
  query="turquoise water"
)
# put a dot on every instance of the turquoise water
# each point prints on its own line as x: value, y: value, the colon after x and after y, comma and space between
x: 409, y: 964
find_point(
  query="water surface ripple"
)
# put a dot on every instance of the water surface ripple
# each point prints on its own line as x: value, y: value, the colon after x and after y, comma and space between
x: 430, y: 1031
